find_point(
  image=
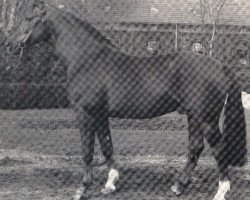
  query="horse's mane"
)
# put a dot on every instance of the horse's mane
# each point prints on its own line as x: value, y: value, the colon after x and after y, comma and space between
x: 72, y: 19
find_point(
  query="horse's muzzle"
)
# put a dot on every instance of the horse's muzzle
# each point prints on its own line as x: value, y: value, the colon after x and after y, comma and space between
x: 8, y: 46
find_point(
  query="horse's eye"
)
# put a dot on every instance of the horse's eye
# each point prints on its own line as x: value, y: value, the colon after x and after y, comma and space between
x: 22, y: 44
x: 28, y: 18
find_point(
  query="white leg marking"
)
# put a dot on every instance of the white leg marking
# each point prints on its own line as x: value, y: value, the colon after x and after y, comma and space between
x: 245, y: 100
x: 175, y: 189
x: 110, y: 185
x: 224, y: 187
x: 79, y: 194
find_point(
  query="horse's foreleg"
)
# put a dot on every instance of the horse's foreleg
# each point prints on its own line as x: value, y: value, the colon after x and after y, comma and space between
x: 195, y: 147
x: 214, y: 137
x: 86, y: 126
x: 105, y: 140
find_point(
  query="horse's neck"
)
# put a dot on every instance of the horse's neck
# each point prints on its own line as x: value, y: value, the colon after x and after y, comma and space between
x: 57, y: 24
x: 72, y: 39
x: 67, y: 24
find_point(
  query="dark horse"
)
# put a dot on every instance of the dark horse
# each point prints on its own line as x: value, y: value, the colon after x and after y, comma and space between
x: 103, y: 82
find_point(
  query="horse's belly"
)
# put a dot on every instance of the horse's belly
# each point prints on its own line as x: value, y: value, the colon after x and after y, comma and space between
x: 141, y: 112
x: 141, y: 105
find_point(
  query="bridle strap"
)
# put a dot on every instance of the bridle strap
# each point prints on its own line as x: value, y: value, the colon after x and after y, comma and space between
x: 21, y: 53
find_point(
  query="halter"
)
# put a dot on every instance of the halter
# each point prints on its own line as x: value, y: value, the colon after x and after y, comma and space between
x: 38, y: 17
x: 26, y: 28
x: 21, y: 46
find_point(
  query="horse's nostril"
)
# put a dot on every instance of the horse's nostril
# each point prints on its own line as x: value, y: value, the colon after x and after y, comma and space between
x: 7, y: 44
x: 22, y: 44
x: 9, y: 48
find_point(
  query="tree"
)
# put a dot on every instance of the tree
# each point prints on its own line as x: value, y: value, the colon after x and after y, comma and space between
x: 209, y: 12
x: 8, y: 14
x: 12, y: 12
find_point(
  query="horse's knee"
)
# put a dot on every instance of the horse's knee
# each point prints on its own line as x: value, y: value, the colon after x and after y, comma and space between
x: 87, y: 181
x: 105, y: 139
x: 195, y: 149
x: 106, y: 145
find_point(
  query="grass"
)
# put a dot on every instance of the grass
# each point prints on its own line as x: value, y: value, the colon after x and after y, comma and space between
x: 53, y: 132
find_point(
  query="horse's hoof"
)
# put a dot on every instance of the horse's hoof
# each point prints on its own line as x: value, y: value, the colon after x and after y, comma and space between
x: 80, y: 194
x: 76, y: 197
x: 108, y: 189
x: 219, y: 198
x: 176, y: 189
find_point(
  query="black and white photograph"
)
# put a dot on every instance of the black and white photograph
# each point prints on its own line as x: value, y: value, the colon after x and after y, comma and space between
x: 124, y: 99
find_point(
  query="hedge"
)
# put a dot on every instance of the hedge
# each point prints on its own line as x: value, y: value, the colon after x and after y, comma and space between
x: 29, y: 96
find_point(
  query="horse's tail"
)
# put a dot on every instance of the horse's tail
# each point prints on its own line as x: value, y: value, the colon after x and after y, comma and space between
x: 234, y: 134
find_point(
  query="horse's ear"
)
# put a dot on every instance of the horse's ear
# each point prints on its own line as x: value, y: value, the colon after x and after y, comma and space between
x: 39, y: 4
x: 39, y: 8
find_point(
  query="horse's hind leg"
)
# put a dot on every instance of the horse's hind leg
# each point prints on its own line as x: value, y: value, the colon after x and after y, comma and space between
x: 105, y: 139
x: 86, y: 125
x: 195, y: 147
x: 213, y: 137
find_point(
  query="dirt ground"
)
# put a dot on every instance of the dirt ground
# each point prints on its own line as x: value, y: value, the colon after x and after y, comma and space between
x: 40, y: 159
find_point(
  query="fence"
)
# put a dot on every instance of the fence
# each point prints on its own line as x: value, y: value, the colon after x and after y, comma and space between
x: 138, y: 38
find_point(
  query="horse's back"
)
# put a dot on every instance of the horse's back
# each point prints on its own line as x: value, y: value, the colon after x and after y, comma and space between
x: 142, y: 87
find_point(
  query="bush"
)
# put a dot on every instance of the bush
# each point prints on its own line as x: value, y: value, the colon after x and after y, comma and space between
x: 39, y: 65
x: 36, y: 81
x: 29, y: 96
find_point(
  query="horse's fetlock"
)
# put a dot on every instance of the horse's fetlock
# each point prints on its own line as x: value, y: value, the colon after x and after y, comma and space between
x: 87, y: 182
x: 184, y: 183
x: 80, y: 194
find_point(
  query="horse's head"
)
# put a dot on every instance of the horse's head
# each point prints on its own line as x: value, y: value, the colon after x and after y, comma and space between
x: 30, y: 29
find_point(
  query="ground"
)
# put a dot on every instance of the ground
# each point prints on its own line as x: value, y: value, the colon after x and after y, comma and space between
x: 40, y: 149
x: 40, y: 159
